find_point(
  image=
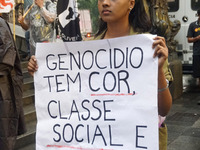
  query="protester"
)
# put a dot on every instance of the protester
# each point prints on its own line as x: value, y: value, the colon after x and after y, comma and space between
x: 128, y: 17
x: 193, y: 36
x: 40, y: 22
x: 11, y: 81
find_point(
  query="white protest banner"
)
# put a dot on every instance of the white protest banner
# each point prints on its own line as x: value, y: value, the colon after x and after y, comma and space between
x: 97, y: 95
x: 6, y: 5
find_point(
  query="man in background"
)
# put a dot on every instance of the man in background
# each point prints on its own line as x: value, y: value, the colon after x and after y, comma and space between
x: 194, y: 37
x: 40, y: 22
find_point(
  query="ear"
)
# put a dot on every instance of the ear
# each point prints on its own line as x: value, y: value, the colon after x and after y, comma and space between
x: 132, y: 4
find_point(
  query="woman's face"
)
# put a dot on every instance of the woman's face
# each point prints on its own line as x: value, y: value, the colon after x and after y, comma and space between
x: 115, y: 10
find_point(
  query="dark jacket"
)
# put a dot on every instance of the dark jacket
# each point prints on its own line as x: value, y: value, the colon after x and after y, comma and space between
x: 11, y: 81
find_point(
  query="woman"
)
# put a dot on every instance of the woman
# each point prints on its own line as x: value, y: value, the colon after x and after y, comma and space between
x: 128, y: 17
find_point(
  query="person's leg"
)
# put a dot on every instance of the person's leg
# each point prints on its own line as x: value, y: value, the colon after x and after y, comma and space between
x: 7, y: 143
x: 8, y: 117
x: 196, y: 68
x: 163, y: 137
x: 27, y: 37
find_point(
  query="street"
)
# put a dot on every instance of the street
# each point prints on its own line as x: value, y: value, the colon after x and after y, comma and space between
x: 183, y: 120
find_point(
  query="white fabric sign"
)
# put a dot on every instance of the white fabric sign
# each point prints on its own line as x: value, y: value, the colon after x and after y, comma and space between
x: 6, y: 5
x: 97, y: 95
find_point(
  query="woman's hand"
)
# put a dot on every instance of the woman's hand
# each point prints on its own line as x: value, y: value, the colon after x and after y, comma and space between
x: 161, y: 50
x: 32, y: 65
x: 164, y: 96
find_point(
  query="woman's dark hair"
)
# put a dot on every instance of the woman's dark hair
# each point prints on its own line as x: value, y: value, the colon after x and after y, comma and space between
x: 138, y: 19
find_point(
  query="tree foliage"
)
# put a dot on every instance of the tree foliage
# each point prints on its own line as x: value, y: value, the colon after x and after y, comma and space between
x: 92, y: 5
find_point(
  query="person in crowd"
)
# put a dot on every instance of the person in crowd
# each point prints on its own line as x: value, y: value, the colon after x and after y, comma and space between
x: 128, y: 17
x: 193, y: 36
x: 27, y: 4
x: 40, y: 22
x: 11, y: 81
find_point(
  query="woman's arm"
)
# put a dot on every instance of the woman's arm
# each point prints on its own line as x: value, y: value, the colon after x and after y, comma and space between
x: 164, y: 95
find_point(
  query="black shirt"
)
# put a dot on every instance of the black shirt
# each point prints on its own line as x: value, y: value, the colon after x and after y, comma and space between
x: 194, y: 31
